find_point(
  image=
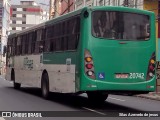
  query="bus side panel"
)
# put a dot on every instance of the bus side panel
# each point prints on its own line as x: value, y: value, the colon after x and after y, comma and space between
x: 28, y: 70
x: 61, y: 71
x: 60, y: 80
x: 84, y: 83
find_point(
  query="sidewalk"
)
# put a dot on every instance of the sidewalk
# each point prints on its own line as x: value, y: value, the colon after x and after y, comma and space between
x: 151, y: 95
x: 2, y: 118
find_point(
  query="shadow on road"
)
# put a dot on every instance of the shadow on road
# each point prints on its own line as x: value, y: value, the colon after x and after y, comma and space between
x: 77, y: 101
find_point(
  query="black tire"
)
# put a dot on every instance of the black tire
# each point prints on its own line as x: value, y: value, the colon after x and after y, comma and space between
x: 97, y: 96
x: 130, y: 94
x: 15, y: 85
x: 45, y: 86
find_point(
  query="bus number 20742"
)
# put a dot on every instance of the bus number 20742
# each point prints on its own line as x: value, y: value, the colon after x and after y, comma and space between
x: 136, y: 75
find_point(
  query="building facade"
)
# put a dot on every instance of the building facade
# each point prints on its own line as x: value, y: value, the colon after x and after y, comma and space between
x: 25, y: 15
x: 67, y: 6
x: 128, y: 3
x: 62, y: 7
x: 154, y: 6
x: 4, y: 29
x: 158, y: 41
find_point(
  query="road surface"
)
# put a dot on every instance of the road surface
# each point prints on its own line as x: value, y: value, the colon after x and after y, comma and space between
x: 29, y: 99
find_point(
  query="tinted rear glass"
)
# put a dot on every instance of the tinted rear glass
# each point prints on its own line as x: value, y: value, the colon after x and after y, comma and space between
x: 120, y: 25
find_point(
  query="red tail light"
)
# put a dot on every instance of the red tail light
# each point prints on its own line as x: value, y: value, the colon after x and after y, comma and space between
x: 89, y: 66
x: 151, y: 67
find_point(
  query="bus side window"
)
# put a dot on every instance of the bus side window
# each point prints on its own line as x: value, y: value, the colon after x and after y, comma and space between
x: 34, y: 36
x: 72, y: 34
x: 58, y: 39
x: 65, y: 39
x: 27, y: 43
x: 43, y: 37
x: 15, y: 46
x: 38, y: 41
x: 18, y: 45
x: 52, y: 40
x: 30, y: 42
x: 77, y: 31
x: 24, y: 44
x: 48, y: 37
x: 12, y: 47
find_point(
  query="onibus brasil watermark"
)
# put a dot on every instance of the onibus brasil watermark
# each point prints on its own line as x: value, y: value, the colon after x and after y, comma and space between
x: 21, y: 114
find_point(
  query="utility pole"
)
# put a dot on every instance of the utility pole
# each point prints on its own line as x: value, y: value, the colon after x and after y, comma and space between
x: 69, y: 5
x: 51, y: 2
x: 118, y: 2
x: 126, y: 3
x: 136, y: 3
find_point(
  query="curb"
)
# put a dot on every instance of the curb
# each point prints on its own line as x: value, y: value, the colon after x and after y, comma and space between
x: 1, y: 118
x: 149, y: 97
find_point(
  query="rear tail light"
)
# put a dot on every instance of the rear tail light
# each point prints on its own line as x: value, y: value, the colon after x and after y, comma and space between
x: 151, y: 67
x: 90, y: 73
x: 88, y: 59
x: 89, y: 66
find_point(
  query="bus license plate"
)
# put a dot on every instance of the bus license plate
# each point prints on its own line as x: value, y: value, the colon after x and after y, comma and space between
x: 123, y: 76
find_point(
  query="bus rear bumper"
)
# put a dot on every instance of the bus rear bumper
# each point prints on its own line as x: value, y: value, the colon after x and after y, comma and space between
x: 99, y: 85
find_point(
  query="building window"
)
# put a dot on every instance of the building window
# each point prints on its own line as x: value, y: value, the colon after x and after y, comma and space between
x: 24, y: 9
x: 23, y: 28
x: 14, y: 9
x: 14, y: 15
x: 23, y: 22
x: 24, y: 15
x: 14, y: 22
x: 13, y: 28
x: 101, y: 2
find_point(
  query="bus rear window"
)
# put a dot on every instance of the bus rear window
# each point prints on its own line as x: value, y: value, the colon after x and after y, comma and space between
x: 120, y: 25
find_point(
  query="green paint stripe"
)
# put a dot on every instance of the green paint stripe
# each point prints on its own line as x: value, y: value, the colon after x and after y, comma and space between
x: 59, y: 58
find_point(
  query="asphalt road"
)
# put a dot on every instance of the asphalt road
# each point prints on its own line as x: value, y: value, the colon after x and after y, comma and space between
x: 29, y: 99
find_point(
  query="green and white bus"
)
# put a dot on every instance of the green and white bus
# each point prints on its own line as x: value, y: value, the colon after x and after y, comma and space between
x: 94, y: 50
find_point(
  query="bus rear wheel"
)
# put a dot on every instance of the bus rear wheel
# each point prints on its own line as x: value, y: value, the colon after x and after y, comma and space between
x: 15, y: 85
x: 97, y: 96
x: 45, y: 86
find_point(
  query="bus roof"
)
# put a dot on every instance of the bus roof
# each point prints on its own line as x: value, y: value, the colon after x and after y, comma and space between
x: 49, y: 22
x: 121, y: 8
x: 54, y: 20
